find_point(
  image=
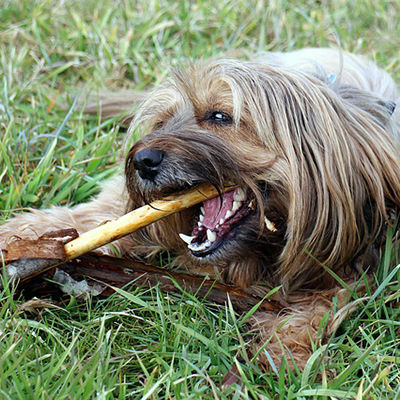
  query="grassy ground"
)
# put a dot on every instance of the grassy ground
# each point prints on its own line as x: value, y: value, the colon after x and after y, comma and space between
x: 147, y: 344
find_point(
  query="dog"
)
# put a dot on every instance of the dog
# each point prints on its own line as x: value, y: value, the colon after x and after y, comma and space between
x: 309, y: 137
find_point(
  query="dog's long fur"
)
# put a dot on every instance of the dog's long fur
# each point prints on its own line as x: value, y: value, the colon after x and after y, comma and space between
x: 312, y: 137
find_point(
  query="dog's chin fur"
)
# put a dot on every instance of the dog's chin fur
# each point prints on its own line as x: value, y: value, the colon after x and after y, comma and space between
x: 315, y: 153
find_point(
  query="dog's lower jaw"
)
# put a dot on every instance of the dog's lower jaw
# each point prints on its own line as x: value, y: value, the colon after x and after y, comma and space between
x: 232, y: 270
x: 245, y: 256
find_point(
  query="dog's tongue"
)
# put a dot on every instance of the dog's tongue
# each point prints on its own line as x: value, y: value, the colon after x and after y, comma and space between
x: 214, y: 211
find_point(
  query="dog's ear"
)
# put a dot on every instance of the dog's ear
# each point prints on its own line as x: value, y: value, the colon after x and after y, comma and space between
x: 379, y: 108
x: 342, y: 172
x: 390, y: 105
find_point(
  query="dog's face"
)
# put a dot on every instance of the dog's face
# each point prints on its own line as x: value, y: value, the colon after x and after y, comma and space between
x: 282, y: 138
x: 194, y: 137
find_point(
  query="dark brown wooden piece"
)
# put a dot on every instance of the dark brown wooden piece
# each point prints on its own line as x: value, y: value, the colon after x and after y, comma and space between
x: 29, y: 258
x: 118, y: 272
x: 46, y: 249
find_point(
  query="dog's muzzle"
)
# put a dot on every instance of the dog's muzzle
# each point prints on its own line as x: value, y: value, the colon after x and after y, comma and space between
x: 148, y: 163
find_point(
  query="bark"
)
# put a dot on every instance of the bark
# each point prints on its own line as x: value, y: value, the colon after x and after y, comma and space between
x: 119, y: 272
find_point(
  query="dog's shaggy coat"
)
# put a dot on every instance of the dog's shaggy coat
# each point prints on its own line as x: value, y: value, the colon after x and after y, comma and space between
x: 311, y: 138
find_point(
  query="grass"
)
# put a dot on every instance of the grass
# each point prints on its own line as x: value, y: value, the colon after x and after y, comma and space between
x: 146, y: 344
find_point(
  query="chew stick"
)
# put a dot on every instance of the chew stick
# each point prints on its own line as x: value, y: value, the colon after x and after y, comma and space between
x: 139, y: 218
x: 26, y: 267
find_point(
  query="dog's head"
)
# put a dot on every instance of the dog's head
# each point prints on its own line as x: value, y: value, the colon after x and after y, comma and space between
x: 315, y: 167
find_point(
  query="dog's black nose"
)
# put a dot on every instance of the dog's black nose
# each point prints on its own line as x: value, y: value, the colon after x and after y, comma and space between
x: 147, y: 162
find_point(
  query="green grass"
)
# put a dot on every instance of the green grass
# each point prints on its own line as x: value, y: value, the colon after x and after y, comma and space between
x: 145, y: 343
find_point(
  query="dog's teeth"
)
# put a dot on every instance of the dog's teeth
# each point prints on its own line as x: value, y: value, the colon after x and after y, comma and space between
x: 221, y: 221
x: 192, y: 246
x: 228, y: 214
x: 199, y: 224
x: 202, y: 210
x: 236, y: 205
x: 201, y: 218
x: 239, y: 194
x: 211, y: 236
x: 187, y: 239
x: 199, y: 247
x: 204, y: 245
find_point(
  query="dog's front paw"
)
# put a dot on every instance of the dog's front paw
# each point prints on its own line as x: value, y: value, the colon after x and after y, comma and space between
x: 8, y: 235
x: 24, y: 226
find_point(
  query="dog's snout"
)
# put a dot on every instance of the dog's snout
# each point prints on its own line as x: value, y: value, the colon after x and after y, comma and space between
x: 148, y: 162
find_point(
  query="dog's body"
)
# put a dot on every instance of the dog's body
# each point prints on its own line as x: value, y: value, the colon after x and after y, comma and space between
x: 311, y: 139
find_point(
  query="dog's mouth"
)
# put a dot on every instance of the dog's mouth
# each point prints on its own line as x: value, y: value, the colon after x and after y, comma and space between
x: 218, y: 217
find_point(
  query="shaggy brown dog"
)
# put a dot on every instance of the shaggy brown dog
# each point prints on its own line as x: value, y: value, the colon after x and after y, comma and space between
x: 309, y: 137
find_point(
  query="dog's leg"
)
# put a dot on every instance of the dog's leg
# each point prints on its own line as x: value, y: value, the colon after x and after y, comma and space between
x: 308, y: 318
x: 109, y: 204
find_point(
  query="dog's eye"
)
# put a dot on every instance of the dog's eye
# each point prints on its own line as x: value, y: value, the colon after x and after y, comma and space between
x: 218, y: 117
x: 158, y: 125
